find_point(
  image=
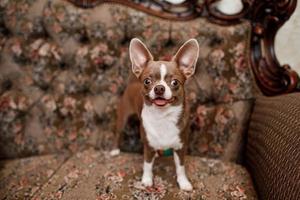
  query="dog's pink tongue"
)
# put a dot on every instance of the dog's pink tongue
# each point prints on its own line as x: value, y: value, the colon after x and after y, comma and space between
x: 160, y: 102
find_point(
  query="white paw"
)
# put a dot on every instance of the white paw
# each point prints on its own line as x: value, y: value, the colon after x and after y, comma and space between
x: 184, y: 184
x: 114, y: 152
x: 147, y: 181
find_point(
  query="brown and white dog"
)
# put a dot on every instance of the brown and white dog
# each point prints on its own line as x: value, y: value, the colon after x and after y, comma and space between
x: 156, y: 94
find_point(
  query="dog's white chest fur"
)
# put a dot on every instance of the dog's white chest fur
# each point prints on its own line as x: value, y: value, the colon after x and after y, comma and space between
x: 160, y: 125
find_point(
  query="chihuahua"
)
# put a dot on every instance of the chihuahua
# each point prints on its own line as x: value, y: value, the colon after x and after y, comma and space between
x: 156, y: 94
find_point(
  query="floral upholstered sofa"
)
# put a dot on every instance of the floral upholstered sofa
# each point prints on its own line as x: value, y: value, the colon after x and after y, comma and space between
x: 63, y: 68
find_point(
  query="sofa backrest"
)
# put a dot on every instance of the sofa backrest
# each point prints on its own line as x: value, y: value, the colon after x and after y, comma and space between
x: 63, y: 70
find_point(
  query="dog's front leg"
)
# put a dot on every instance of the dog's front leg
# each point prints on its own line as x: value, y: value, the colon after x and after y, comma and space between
x: 182, y: 180
x: 149, y: 157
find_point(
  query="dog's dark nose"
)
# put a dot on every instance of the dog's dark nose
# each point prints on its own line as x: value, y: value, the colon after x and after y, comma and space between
x: 159, y: 89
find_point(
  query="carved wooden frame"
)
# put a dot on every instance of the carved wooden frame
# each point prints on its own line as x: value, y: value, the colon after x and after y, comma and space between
x: 266, y: 18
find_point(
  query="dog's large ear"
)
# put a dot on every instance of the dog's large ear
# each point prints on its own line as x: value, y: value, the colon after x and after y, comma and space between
x: 187, y: 56
x: 139, y: 56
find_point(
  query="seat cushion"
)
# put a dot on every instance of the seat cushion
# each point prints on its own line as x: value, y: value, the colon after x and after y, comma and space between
x: 92, y: 174
x: 22, y: 178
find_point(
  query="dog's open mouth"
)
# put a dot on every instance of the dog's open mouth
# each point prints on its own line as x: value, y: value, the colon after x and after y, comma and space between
x: 159, y: 101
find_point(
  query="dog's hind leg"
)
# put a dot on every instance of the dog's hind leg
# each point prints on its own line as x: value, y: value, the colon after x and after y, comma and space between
x: 123, y: 112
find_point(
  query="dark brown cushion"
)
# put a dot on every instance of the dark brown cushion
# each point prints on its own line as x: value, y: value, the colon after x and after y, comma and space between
x: 273, y: 149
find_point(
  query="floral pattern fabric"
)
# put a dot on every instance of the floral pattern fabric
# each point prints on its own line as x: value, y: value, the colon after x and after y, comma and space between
x: 94, y: 174
x: 71, y: 65
x: 22, y: 178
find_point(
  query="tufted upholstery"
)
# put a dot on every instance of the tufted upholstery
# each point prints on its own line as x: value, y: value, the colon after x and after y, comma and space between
x: 63, y: 69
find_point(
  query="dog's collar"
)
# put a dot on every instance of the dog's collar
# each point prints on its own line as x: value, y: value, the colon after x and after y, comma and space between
x: 165, y: 152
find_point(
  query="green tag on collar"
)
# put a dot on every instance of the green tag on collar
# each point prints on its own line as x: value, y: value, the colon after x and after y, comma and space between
x: 167, y: 152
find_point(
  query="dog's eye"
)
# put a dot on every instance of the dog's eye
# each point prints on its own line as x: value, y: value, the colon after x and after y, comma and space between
x: 147, y: 81
x: 174, y: 82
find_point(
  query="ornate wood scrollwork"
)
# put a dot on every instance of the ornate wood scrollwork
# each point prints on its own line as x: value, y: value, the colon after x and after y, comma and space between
x: 216, y: 16
x: 266, y: 18
x: 185, y: 11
